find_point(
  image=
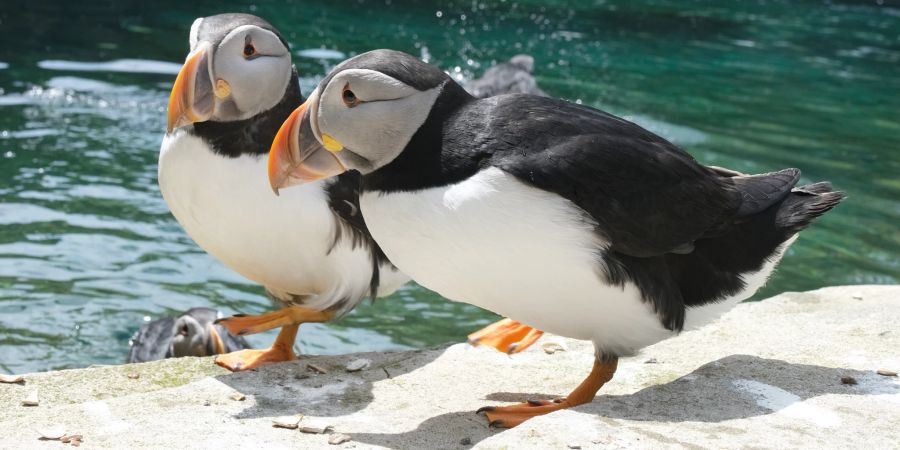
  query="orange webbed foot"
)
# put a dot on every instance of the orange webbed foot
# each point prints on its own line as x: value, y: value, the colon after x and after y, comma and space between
x: 513, y: 415
x: 506, y: 335
x: 251, y: 359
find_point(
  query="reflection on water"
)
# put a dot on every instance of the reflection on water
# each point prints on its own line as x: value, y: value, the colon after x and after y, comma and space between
x: 88, y: 249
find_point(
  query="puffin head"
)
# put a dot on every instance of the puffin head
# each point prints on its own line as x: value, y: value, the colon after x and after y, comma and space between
x: 360, y: 117
x: 195, y: 334
x: 239, y: 66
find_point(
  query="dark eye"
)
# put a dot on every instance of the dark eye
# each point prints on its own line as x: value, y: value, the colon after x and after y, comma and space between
x: 249, y: 50
x: 349, y: 97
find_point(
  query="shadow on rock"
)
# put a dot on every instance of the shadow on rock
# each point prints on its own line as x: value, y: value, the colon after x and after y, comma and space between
x: 736, y: 387
x: 451, y: 430
x: 299, y: 387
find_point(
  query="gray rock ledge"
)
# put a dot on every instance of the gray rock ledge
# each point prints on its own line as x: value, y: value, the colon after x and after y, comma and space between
x: 767, y: 375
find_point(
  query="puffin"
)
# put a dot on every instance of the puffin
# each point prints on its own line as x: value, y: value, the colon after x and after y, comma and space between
x: 310, y: 247
x: 192, y: 333
x: 512, y: 77
x: 558, y: 215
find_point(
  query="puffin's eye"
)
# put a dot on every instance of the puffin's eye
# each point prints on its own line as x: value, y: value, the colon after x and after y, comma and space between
x: 249, y: 50
x: 350, y: 99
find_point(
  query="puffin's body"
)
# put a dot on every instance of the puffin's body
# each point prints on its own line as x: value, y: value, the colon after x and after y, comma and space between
x: 558, y: 215
x: 192, y: 333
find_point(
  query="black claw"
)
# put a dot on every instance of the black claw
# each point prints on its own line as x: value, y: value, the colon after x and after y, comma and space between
x: 511, y: 349
x: 474, y: 341
x: 485, y: 409
x: 243, y: 332
x: 496, y: 423
x: 559, y: 400
x: 535, y: 402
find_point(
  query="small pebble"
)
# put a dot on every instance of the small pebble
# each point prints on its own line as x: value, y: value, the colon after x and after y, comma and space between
x: 338, y: 438
x: 315, y: 368
x: 651, y: 361
x: 74, y: 439
x: 4, y: 378
x: 857, y: 296
x: 358, y: 364
x: 552, y: 347
x: 465, y: 441
x: 31, y: 399
x: 289, y: 422
x: 53, y: 432
x: 886, y: 373
x: 238, y: 397
x: 134, y: 375
x: 574, y: 446
x: 848, y: 380
x: 206, y: 403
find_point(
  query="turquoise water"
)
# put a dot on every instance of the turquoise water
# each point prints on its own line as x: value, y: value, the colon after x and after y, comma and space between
x: 88, y: 249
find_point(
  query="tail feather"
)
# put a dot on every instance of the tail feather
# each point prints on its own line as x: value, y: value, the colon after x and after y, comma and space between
x: 804, y: 205
x: 759, y: 192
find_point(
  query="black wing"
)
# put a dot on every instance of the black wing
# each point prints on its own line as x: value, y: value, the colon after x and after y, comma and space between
x: 648, y: 196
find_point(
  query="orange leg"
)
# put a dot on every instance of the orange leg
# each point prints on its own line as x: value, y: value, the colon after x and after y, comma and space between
x: 506, y: 335
x: 288, y: 318
x: 510, y: 416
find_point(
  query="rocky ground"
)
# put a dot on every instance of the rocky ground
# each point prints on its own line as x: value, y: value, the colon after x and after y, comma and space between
x: 797, y: 370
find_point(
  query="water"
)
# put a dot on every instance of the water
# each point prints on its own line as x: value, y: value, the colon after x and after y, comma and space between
x: 88, y: 248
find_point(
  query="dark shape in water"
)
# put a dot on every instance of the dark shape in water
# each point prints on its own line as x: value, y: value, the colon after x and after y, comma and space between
x: 190, y: 334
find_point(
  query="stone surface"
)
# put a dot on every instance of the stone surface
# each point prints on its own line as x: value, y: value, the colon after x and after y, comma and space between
x: 767, y: 375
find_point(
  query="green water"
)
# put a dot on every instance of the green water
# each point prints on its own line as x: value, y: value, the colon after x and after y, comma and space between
x: 88, y: 248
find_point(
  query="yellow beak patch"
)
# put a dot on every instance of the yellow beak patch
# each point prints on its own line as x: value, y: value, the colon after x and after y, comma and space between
x: 331, y: 144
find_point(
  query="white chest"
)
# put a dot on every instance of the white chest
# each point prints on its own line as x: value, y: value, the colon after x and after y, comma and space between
x: 226, y: 206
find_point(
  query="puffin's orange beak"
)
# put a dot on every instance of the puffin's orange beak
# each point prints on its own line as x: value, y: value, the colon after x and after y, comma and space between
x: 296, y: 156
x: 192, y: 98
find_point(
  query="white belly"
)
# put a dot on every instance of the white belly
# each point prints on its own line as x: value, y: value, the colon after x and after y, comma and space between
x: 227, y: 207
x: 521, y: 252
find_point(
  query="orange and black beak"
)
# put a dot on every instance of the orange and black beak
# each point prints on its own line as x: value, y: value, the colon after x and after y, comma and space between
x: 296, y: 156
x: 193, y: 96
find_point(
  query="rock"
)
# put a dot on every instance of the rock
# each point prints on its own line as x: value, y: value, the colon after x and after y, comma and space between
x: 573, y: 446
x: 886, y: 373
x: 338, y: 438
x: 52, y: 432
x: 133, y: 375
x: 465, y: 441
x: 238, y: 397
x: 857, y: 296
x: 317, y: 369
x: 358, y: 364
x: 766, y: 374
x: 848, y: 380
x: 651, y: 361
x: 31, y: 399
